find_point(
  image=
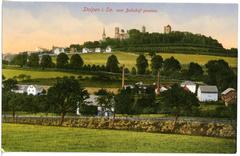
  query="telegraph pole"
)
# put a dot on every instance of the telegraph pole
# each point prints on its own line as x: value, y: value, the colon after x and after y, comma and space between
x: 123, y: 76
x: 158, y: 82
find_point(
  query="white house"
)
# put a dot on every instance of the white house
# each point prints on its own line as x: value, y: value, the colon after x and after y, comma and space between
x: 58, y: 50
x: 29, y: 89
x: 97, y: 50
x: 108, y: 49
x: 191, y: 86
x: 207, y: 93
x: 34, y: 90
x: 85, y: 50
x: 92, y: 101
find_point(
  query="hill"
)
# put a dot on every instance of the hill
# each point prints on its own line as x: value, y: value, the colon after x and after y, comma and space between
x: 174, y: 42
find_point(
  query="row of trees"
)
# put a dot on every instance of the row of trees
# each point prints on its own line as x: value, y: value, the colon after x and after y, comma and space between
x: 218, y: 71
x: 67, y: 94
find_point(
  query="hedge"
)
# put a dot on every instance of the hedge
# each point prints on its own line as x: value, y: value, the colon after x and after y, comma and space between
x: 215, y: 129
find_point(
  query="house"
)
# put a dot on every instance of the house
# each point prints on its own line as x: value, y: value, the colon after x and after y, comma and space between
x: 207, y: 93
x: 58, y: 50
x: 162, y: 88
x: 97, y: 50
x: 229, y: 96
x: 191, y: 86
x: 108, y: 49
x: 29, y: 89
x: 102, y: 111
x: 85, y: 50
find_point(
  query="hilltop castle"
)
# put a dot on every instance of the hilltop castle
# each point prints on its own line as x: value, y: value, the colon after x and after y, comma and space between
x: 167, y: 29
x: 125, y: 34
x: 120, y: 34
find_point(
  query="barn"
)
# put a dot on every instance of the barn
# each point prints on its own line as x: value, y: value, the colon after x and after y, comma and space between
x: 207, y: 93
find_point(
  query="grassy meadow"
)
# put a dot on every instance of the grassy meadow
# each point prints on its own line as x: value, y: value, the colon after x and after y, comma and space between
x: 19, y: 137
x: 10, y: 73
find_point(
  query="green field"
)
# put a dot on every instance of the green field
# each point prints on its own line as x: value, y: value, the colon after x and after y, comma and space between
x: 129, y: 59
x: 18, y: 137
x: 10, y: 73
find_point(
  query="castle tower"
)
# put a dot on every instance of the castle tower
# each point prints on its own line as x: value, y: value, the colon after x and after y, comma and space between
x: 167, y: 29
x: 117, y: 32
x: 143, y: 29
x: 104, y: 35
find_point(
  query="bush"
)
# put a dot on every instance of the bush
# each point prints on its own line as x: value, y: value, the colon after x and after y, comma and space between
x: 88, y: 110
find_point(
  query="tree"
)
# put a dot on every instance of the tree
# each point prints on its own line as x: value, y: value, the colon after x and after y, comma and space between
x: 66, y: 95
x: 142, y: 64
x: 178, y: 101
x: 156, y: 63
x: 33, y: 60
x: 171, y: 64
x: 9, y: 84
x: 195, y: 70
x: 112, y: 64
x: 134, y: 71
x: 15, y: 102
x: 220, y: 74
x: 62, y: 60
x: 76, y: 61
x: 145, y: 101
x: 124, y: 101
x: 20, y: 59
x: 105, y: 99
x: 46, y: 62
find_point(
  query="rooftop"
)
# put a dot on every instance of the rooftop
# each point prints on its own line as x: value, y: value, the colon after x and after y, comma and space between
x: 208, y: 89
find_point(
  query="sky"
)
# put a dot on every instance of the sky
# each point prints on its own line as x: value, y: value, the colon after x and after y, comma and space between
x: 29, y: 25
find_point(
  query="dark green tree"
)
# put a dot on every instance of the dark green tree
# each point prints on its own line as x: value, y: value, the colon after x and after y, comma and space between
x: 178, y: 101
x: 124, y: 101
x: 66, y: 95
x: 9, y: 84
x: 20, y: 59
x: 112, y: 64
x: 171, y: 64
x: 220, y: 74
x: 105, y: 99
x: 156, y: 63
x: 195, y: 70
x: 46, y: 62
x: 33, y: 60
x: 134, y: 71
x: 142, y: 64
x: 76, y: 61
x: 15, y: 102
x: 62, y: 60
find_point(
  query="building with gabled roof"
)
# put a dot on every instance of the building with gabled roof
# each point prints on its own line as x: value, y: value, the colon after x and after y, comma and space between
x: 207, y: 93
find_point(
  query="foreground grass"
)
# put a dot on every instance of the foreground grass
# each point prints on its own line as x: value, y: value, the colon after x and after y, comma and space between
x: 18, y: 137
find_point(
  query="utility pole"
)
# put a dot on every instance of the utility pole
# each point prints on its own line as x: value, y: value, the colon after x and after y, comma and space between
x: 123, y: 76
x: 158, y: 82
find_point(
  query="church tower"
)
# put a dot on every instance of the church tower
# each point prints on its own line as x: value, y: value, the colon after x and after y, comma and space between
x: 143, y: 29
x: 104, y: 35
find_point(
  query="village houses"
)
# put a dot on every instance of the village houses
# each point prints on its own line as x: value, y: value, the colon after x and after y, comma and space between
x: 29, y: 89
x: 229, y: 96
x: 207, y: 93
